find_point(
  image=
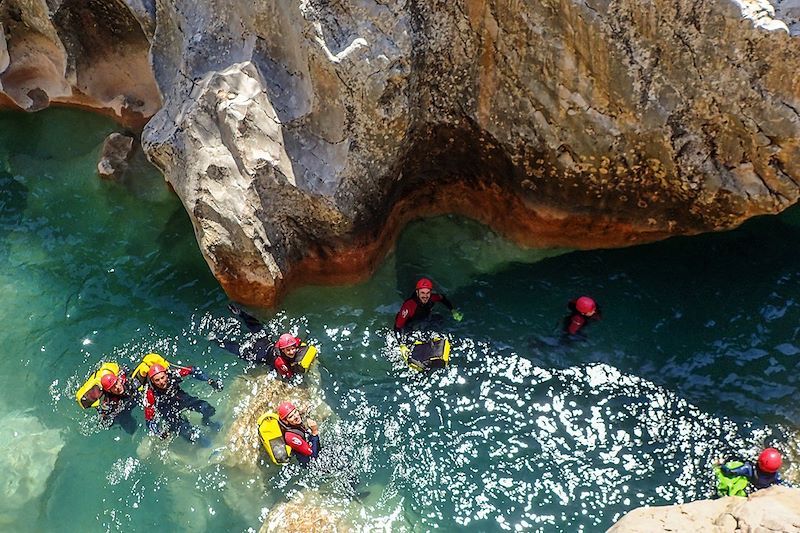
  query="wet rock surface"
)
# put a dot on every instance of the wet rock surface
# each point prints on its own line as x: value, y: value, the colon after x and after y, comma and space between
x: 88, y: 53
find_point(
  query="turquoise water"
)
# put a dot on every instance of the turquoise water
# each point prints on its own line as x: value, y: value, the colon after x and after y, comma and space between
x: 696, y: 356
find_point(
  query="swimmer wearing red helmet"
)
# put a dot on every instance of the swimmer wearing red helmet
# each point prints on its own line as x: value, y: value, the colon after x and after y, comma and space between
x: 764, y: 473
x: 582, y: 310
x: 419, y: 305
x: 302, y: 437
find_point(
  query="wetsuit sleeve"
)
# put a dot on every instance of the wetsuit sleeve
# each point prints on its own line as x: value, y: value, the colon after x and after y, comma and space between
x: 744, y: 470
x: 105, y: 405
x: 575, y: 323
x: 263, y: 352
x: 407, y: 311
x: 315, y: 445
x: 105, y: 409
x: 299, y: 444
x: 149, y: 403
x: 441, y: 298
x: 283, y: 367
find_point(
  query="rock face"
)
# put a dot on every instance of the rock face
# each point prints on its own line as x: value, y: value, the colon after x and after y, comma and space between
x: 776, y: 509
x: 302, y: 135
x: 92, y: 53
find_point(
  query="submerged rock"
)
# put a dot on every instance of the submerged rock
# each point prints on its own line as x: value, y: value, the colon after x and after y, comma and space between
x: 774, y: 509
x: 307, y: 512
x: 29, y: 455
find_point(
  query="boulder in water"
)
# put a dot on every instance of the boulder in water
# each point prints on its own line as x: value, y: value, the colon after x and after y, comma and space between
x: 117, y: 149
x: 773, y: 509
x: 29, y: 455
x: 307, y: 512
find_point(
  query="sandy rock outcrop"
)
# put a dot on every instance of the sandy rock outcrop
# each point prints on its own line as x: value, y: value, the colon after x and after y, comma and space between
x: 776, y: 509
x: 302, y: 135
x: 91, y: 53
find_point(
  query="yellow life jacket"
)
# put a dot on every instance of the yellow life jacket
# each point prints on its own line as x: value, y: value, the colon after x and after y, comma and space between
x: 304, y: 357
x: 427, y: 355
x: 144, y: 367
x: 90, y: 392
x: 271, y: 434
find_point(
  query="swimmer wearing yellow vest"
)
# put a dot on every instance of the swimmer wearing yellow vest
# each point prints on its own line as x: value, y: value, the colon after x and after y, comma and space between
x: 284, y: 433
x: 289, y: 355
x: 113, y: 395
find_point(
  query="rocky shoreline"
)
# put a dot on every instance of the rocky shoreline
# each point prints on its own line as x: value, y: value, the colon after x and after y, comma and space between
x: 776, y: 509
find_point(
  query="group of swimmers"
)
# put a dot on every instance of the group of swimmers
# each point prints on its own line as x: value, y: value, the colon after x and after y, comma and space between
x: 156, y: 384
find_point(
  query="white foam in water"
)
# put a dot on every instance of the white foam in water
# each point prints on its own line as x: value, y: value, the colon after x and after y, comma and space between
x: 541, y: 440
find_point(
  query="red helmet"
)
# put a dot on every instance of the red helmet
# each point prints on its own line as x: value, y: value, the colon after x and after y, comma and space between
x: 424, y: 283
x: 285, y: 409
x: 585, y: 305
x: 155, y: 369
x: 286, y: 340
x: 770, y: 460
x: 108, y: 380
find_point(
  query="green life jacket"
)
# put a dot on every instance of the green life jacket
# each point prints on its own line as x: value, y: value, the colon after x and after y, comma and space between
x: 730, y: 486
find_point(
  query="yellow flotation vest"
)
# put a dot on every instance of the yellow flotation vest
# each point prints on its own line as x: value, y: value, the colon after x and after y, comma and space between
x: 90, y: 392
x: 144, y: 367
x: 304, y: 357
x: 271, y: 434
x: 427, y: 355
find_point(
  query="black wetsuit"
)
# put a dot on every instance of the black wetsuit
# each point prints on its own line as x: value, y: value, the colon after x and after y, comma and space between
x: 259, y: 349
x: 413, y: 310
x: 117, y: 408
x: 172, y: 401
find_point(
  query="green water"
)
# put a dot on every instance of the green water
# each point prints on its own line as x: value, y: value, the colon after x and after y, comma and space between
x: 696, y: 356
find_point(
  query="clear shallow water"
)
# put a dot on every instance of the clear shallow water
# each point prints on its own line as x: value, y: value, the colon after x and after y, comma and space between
x: 696, y: 356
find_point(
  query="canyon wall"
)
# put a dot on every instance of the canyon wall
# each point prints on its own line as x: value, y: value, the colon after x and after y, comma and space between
x: 302, y: 135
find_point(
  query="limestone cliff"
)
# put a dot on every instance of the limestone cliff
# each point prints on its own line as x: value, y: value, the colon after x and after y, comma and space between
x: 776, y: 509
x: 91, y: 53
x: 301, y: 135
